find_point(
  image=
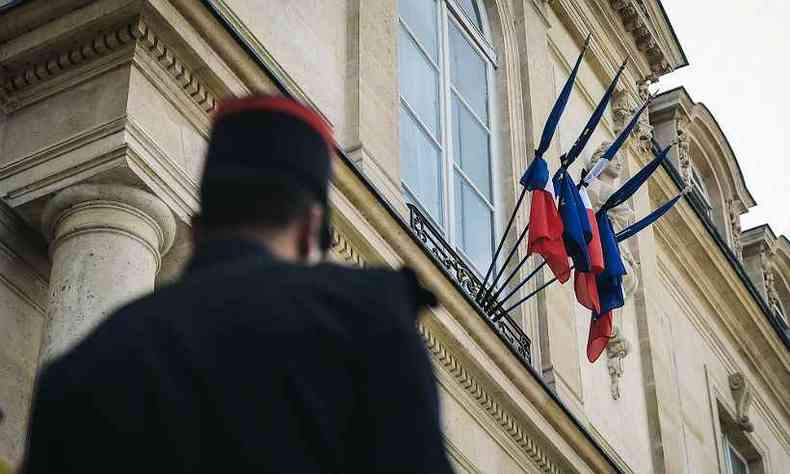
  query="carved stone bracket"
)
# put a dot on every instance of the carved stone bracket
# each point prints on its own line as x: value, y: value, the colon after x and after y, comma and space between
x: 684, y: 156
x: 616, y: 350
x: 735, y: 226
x: 634, y: 18
x: 742, y: 394
x: 769, y: 279
x: 644, y: 130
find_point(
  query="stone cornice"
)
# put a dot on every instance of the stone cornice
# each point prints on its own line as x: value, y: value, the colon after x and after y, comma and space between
x: 22, y: 87
x: 445, y: 359
x: 164, y: 55
x: 648, y: 29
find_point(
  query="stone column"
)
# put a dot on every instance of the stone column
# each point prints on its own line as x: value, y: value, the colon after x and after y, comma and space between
x: 106, y: 244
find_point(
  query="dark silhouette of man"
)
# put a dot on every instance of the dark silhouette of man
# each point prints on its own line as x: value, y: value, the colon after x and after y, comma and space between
x: 256, y: 360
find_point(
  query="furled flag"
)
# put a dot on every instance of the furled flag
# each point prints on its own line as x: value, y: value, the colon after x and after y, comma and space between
x: 592, y: 123
x: 632, y: 185
x: 545, y: 228
x: 577, y: 231
x: 601, y: 330
x: 584, y: 283
x: 632, y: 229
x: 559, y: 105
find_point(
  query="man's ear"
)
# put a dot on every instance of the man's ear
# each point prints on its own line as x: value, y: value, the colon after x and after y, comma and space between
x: 196, y: 229
x: 308, y: 238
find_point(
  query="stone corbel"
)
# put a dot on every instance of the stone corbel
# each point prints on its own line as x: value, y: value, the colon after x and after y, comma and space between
x: 622, y: 107
x: 644, y: 130
x: 742, y: 394
x: 616, y: 350
x: 735, y: 226
x: 684, y: 157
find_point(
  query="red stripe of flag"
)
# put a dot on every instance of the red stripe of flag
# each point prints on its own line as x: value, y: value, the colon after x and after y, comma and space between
x: 545, y: 234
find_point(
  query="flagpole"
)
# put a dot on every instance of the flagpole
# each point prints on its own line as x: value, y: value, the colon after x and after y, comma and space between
x: 502, y: 241
x: 545, y: 140
x: 498, y: 303
x: 488, y: 291
x: 522, y: 300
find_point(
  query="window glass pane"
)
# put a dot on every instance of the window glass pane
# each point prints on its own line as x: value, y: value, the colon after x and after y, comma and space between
x: 420, y: 16
x: 471, y: 11
x: 473, y: 224
x: 737, y: 464
x: 419, y: 82
x: 470, y: 147
x: 468, y: 72
x: 421, y: 166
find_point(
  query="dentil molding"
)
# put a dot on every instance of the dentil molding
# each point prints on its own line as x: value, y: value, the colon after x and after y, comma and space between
x: 34, y: 82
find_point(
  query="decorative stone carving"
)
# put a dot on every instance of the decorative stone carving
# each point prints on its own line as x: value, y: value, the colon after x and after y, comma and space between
x: 735, y: 226
x: 769, y: 280
x: 14, y: 89
x: 448, y: 362
x: 742, y: 394
x: 644, y: 130
x: 343, y: 252
x: 684, y: 156
x: 617, y: 349
x: 622, y: 105
x: 636, y: 21
x: 599, y: 191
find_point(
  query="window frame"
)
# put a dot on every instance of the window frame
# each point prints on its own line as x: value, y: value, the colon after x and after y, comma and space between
x: 729, y: 450
x: 450, y: 12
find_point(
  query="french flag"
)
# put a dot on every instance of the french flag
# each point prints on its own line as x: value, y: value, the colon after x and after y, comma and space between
x: 545, y: 225
x: 601, y: 331
x: 584, y: 283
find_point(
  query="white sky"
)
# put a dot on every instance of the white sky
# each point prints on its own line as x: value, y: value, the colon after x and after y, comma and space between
x: 738, y: 52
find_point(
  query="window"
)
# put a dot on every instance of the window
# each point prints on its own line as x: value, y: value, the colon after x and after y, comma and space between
x: 698, y: 186
x: 735, y: 462
x: 445, y: 120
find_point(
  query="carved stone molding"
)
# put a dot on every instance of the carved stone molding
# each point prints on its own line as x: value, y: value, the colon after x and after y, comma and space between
x: 735, y: 227
x: 467, y: 381
x: 644, y: 129
x: 634, y: 18
x: 617, y: 349
x: 17, y: 86
x: 684, y: 145
x: 13, y: 87
x: 343, y: 251
x: 742, y: 394
x: 180, y: 72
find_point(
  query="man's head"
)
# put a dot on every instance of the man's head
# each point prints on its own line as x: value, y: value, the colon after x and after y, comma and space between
x: 267, y: 176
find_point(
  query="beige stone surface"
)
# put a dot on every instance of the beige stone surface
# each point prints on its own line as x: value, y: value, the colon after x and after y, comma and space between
x: 24, y: 271
x: 129, y: 108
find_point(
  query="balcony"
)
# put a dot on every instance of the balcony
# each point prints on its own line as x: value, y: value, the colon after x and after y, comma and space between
x: 457, y: 270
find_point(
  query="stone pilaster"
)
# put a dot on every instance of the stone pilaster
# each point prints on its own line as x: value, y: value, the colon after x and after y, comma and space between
x: 106, y: 247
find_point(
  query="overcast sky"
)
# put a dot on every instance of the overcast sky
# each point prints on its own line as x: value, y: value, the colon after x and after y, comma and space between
x: 739, y: 51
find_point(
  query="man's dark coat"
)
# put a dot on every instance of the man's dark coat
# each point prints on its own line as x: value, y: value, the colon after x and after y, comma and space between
x: 248, y: 364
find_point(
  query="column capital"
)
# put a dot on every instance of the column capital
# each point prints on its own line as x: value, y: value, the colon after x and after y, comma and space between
x: 117, y: 209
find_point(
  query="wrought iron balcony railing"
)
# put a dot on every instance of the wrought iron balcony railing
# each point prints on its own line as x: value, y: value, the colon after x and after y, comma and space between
x: 458, y: 271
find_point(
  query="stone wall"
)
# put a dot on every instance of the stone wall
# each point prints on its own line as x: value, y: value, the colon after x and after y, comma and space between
x: 111, y: 101
x: 24, y: 271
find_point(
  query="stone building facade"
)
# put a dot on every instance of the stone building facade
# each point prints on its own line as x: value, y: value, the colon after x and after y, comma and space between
x: 104, y: 115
